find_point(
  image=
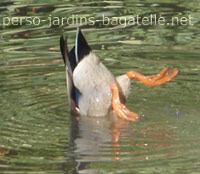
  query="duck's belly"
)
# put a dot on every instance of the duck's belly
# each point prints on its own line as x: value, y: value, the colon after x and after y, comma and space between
x: 93, y: 80
x: 97, y: 102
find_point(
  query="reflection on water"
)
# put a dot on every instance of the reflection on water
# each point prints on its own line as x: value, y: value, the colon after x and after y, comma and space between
x: 108, y: 140
x: 37, y: 133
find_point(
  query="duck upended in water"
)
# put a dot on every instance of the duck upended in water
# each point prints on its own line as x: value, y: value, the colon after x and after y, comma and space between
x: 93, y: 90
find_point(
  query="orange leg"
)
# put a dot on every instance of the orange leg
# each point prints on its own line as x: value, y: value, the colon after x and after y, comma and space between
x: 165, y: 75
x: 121, y: 110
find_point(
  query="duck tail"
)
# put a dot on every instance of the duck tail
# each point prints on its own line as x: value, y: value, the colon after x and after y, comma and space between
x: 82, y: 48
x: 64, y: 49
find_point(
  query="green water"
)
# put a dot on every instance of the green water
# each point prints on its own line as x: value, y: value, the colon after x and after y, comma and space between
x: 37, y: 134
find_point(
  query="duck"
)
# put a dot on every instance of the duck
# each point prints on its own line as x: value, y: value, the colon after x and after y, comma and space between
x: 92, y: 88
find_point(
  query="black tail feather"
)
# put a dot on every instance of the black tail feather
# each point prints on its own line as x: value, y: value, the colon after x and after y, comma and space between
x: 82, y: 47
x: 68, y: 57
x: 72, y: 59
x: 63, y: 49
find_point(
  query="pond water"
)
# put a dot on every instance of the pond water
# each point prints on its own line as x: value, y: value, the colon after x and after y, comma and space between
x: 37, y: 133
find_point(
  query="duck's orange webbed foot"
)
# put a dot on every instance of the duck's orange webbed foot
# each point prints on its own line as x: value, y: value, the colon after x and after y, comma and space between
x: 121, y: 110
x: 164, y: 76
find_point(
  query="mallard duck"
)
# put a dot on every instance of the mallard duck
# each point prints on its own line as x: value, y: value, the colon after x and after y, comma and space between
x: 93, y: 90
